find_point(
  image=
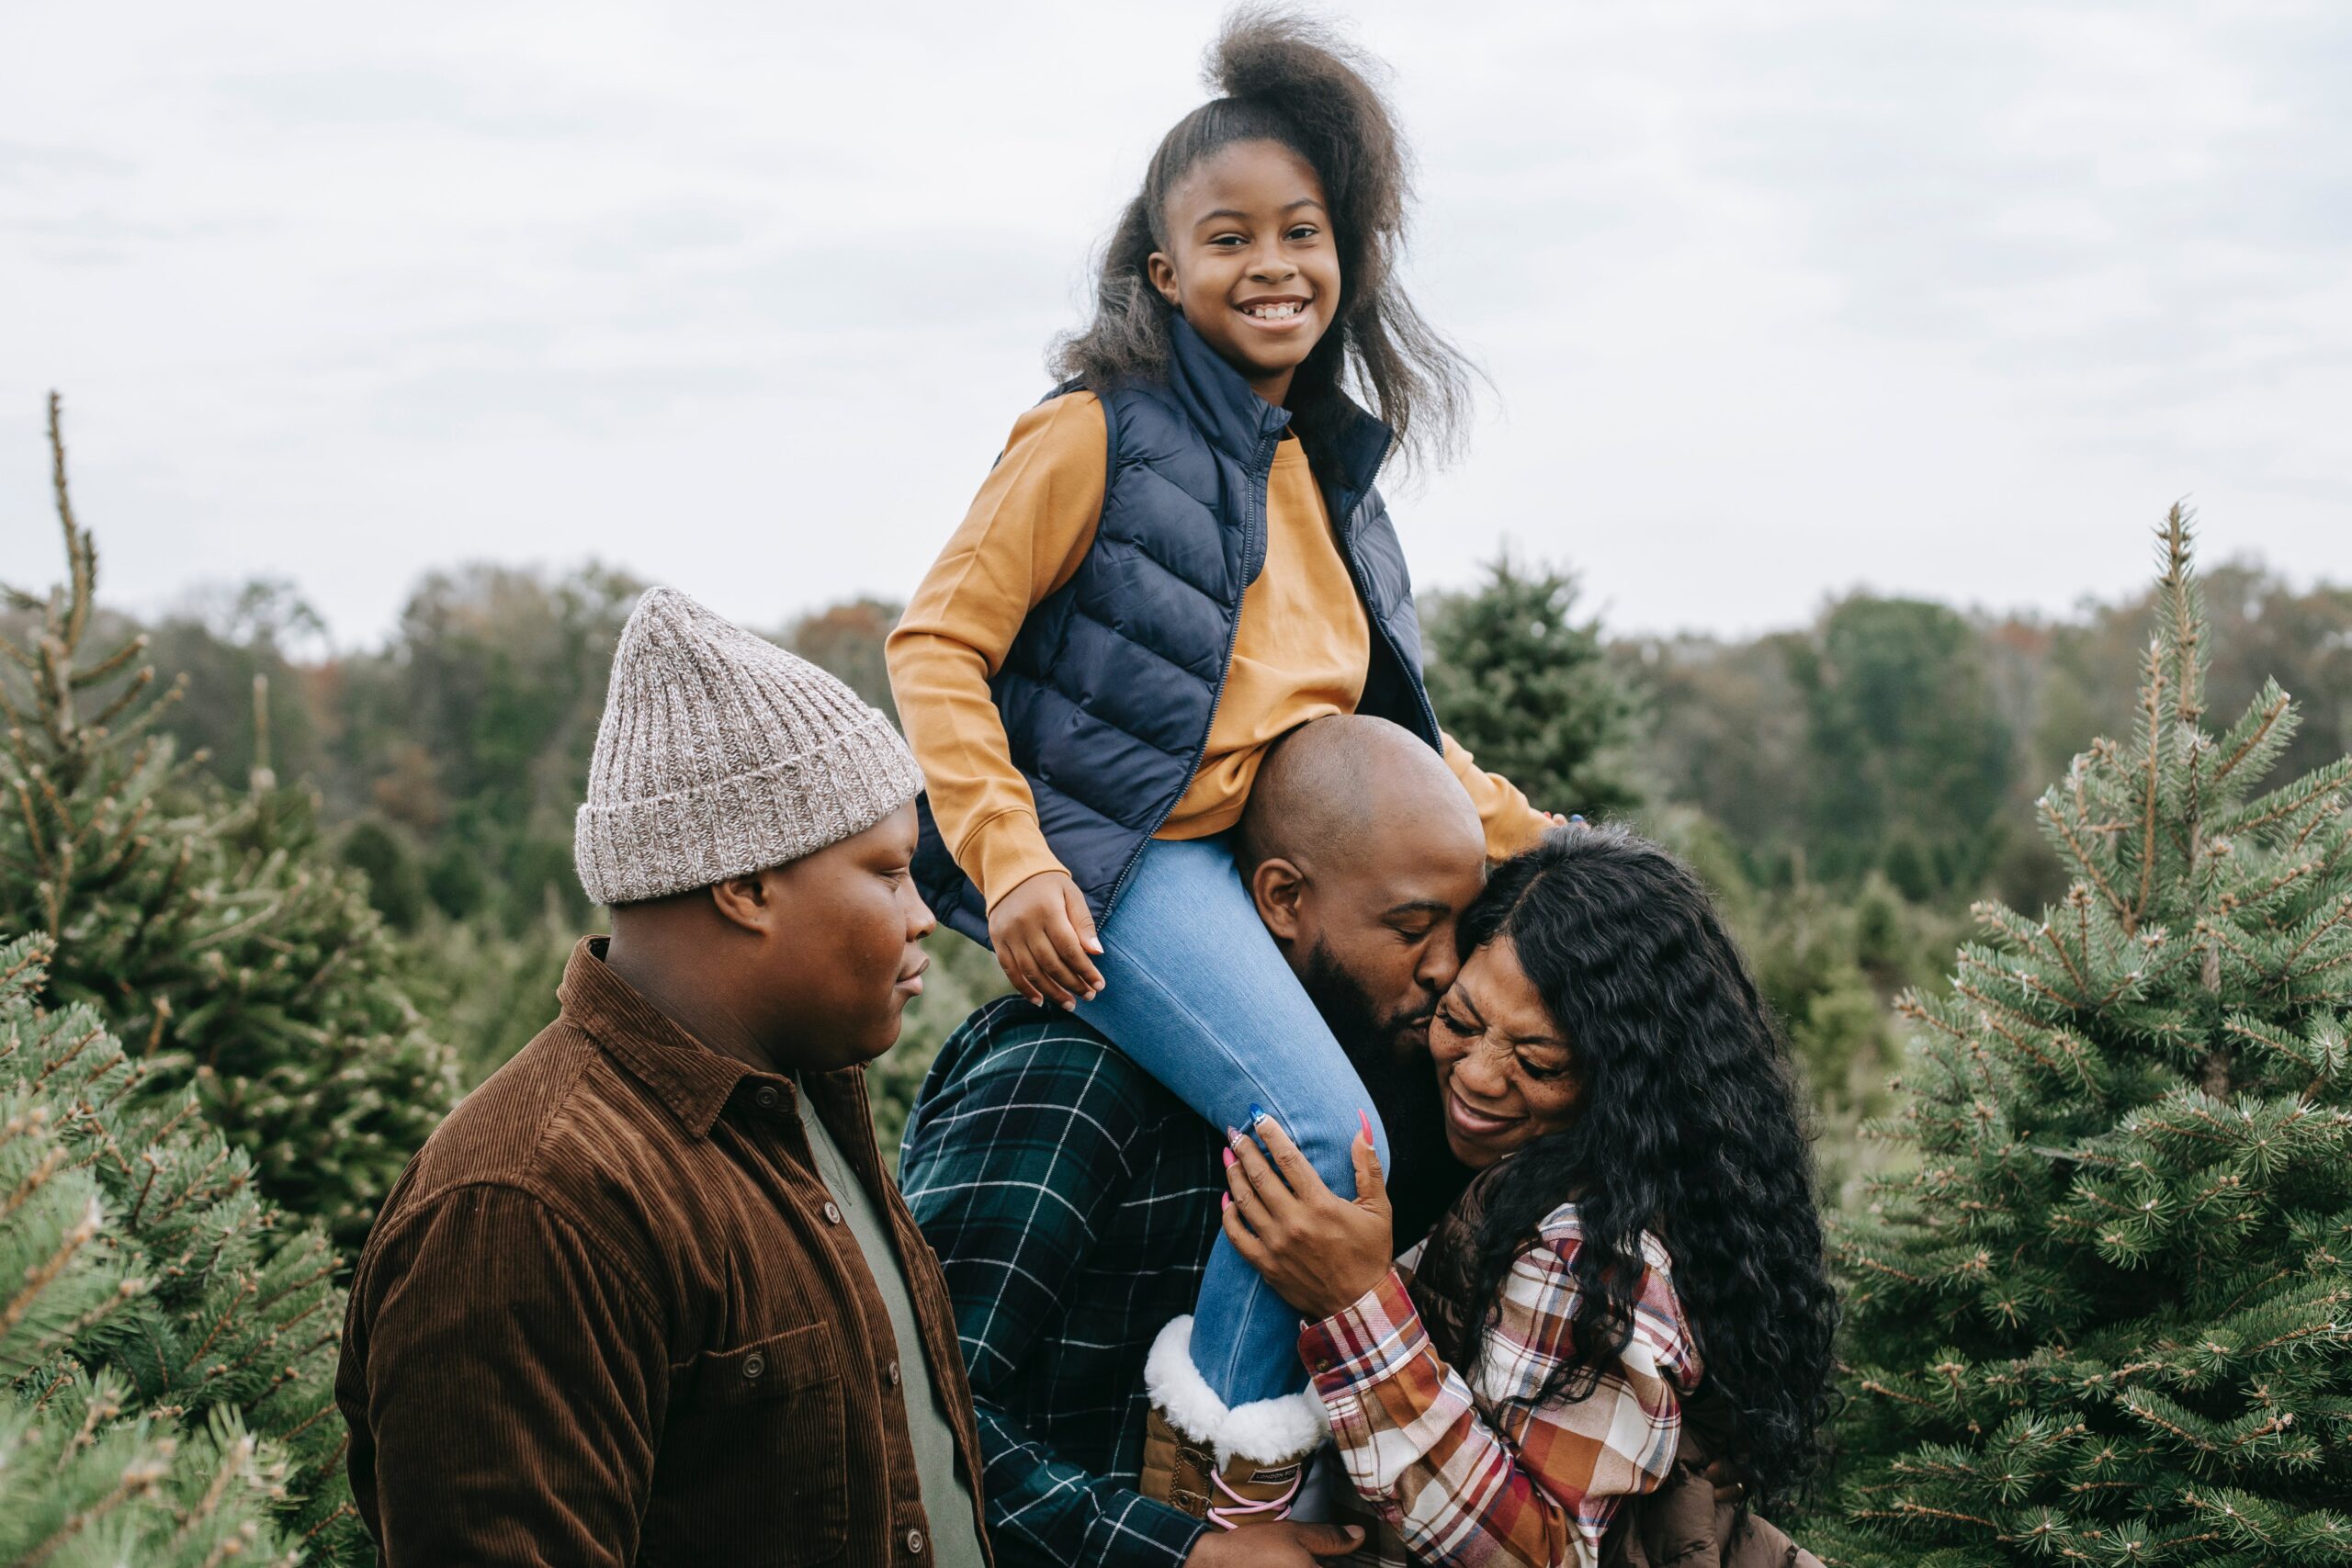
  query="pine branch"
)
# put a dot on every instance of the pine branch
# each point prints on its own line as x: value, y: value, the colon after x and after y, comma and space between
x: 2183, y: 622
x: 74, y: 1048
x: 132, y: 691
x: 41, y: 1276
x: 2319, y: 791
x: 2083, y: 858
x: 82, y: 557
x: 2302, y: 871
x: 43, y: 1168
x: 75, y: 1332
x: 2277, y: 709
x: 90, y: 675
x: 2335, y: 921
x: 2331, y: 808
x: 2152, y: 709
x: 232, y: 1462
x: 138, y: 1479
x: 227, y: 1315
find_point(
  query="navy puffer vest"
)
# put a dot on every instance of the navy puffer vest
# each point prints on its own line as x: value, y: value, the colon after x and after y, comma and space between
x: 1108, y: 689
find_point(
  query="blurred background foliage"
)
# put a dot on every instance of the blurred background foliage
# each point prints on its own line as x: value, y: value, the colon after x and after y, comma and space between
x: 1847, y: 786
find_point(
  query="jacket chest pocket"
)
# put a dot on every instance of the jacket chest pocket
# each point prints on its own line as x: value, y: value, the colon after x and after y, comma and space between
x: 752, y: 1469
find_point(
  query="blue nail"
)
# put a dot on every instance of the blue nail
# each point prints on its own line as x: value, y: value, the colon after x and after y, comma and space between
x: 1257, y: 1113
x: 1574, y: 817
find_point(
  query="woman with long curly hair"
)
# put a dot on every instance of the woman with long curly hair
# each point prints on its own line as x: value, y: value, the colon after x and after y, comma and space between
x: 1635, y: 1277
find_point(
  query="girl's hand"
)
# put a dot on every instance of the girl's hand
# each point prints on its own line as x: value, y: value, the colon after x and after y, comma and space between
x: 1043, y: 935
x: 1319, y: 1251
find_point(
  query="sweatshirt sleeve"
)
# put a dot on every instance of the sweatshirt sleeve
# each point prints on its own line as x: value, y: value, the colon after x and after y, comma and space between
x: 1513, y: 824
x: 1028, y: 529
x: 1505, y: 1475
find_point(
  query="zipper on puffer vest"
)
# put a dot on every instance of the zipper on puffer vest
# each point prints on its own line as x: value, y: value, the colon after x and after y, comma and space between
x: 1363, y: 592
x: 1253, y: 542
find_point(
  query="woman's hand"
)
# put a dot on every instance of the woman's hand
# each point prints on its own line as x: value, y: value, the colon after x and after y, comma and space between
x: 1319, y: 1251
x: 1043, y: 935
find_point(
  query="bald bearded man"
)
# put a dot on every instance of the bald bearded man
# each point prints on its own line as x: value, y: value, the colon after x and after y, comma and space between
x: 1072, y: 1201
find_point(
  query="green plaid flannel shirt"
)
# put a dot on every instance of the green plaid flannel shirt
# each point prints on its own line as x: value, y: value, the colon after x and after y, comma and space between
x: 1072, y: 1201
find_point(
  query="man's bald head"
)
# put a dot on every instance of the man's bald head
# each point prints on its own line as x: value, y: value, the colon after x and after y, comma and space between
x: 1338, y: 788
x: 1360, y: 847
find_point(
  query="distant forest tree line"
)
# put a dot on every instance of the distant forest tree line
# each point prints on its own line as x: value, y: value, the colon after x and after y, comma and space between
x: 1848, y: 786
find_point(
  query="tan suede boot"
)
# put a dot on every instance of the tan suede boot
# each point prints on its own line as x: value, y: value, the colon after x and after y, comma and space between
x: 1190, y: 1426
x: 1176, y: 1469
x: 1185, y: 1474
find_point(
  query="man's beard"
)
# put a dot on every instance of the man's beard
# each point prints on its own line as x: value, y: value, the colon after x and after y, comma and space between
x: 1390, y: 1053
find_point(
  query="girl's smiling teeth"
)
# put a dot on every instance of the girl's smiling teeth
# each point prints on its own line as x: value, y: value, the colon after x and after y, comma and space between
x: 1274, y: 310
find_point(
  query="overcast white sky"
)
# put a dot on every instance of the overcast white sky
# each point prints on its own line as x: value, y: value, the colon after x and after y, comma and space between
x: 1777, y: 300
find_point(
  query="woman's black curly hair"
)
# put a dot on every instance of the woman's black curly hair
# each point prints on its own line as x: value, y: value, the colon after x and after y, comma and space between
x: 1283, y: 78
x: 1687, y: 1124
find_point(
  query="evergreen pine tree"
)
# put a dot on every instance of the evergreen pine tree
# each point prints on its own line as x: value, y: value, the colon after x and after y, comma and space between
x: 1528, y: 688
x: 168, y: 1337
x: 209, y: 928
x: 2108, y: 1318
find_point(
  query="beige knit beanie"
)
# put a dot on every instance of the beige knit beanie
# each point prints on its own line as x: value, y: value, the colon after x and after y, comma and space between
x: 721, y: 754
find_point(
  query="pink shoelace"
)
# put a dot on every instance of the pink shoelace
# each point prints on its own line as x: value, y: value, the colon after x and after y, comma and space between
x: 1235, y: 1512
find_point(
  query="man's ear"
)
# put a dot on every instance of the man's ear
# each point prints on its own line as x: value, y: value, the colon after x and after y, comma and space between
x: 1276, y: 888
x: 744, y: 901
x: 1162, y: 273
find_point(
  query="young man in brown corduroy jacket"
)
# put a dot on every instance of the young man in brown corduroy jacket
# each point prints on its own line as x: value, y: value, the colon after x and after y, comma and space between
x: 648, y: 1295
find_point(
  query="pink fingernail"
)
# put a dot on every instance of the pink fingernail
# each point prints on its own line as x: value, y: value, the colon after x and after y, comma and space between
x: 1228, y: 1200
x: 1365, y: 1118
x: 1231, y: 1159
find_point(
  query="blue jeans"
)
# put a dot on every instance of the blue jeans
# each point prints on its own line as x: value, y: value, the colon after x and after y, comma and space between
x: 1197, y: 994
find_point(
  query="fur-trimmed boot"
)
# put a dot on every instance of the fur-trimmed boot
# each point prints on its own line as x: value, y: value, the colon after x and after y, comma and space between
x: 1230, y: 1466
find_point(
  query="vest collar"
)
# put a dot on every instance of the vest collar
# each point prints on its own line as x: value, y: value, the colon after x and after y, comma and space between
x: 1237, y: 420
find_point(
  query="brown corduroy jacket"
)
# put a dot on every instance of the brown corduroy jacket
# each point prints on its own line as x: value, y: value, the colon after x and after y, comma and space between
x: 610, y: 1315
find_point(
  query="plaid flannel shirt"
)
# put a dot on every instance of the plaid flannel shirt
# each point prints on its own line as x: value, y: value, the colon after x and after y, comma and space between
x: 1072, y: 1201
x: 1474, y: 1471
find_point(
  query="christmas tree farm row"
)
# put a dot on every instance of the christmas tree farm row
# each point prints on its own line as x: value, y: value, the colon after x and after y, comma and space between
x: 2100, y: 1312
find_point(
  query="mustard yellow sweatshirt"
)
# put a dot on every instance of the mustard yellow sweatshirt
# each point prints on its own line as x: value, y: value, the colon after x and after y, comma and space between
x: 1303, y: 649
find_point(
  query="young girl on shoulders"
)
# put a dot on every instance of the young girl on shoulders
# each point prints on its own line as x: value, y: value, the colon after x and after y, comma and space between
x: 1181, y: 556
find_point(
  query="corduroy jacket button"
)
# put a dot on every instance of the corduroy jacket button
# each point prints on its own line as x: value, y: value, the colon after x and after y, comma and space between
x: 832, y: 1213
x: 890, y: 1374
x: 914, y: 1542
x: 767, y: 1097
x: 754, y: 1364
